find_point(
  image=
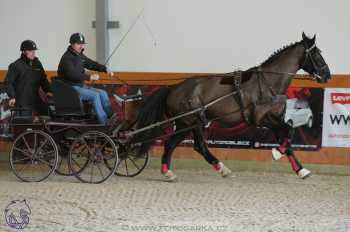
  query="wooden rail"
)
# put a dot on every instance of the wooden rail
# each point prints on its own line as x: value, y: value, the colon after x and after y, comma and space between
x: 163, y: 78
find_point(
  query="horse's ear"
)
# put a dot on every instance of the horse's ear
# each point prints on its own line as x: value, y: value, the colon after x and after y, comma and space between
x: 313, y: 39
x: 304, y: 37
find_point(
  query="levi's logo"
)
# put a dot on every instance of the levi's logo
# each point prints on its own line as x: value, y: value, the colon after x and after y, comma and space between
x: 341, y: 98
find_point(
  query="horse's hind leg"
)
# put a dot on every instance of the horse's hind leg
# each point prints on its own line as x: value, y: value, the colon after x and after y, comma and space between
x: 202, y: 148
x: 169, y: 147
x: 286, y: 134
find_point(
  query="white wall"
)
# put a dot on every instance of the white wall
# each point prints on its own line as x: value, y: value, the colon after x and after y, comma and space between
x: 49, y: 23
x: 192, y: 35
x: 215, y: 36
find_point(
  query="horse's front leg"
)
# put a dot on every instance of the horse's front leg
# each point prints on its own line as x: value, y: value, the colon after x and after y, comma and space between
x: 285, y: 135
x: 272, y: 116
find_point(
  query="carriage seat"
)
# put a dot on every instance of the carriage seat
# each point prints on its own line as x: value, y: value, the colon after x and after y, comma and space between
x: 21, y: 116
x: 66, y: 100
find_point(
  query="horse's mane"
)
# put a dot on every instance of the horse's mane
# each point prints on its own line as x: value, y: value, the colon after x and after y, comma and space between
x: 272, y: 57
x: 247, y: 73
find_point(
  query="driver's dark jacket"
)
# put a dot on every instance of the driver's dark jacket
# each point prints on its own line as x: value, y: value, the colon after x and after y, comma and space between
x: 72, y: 67
x: 23, y: 80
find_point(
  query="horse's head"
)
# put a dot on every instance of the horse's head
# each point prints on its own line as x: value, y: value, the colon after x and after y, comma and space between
x: 313, y: 62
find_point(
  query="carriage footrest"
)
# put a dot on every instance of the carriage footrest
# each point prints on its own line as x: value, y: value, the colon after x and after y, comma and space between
x: 124, y: 98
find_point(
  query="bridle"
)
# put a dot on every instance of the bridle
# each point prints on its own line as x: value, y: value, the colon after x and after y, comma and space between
x: 308, y: 56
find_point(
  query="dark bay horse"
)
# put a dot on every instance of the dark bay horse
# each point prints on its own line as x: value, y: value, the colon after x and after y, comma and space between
x: 261, y: 103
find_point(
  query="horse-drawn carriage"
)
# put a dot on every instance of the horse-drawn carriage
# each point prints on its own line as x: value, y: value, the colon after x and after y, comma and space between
x: 69, y: 141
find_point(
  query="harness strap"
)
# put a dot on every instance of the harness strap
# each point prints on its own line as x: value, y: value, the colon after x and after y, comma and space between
x: 259, y: 82
x: 237, y: 80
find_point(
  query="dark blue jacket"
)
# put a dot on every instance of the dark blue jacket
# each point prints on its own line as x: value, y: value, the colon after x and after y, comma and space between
x: 72, y: 67
x: 23, y: 80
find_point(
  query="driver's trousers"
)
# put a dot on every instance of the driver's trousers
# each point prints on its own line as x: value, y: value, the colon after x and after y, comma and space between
x: 100, y: 101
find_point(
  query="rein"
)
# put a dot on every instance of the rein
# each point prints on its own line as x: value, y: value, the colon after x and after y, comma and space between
x: 201, y: 76
x: 308, y: 55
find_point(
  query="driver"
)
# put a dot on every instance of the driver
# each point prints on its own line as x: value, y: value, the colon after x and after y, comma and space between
x: 72, y: 70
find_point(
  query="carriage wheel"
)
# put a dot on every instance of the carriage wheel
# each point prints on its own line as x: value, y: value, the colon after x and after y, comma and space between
x: 33, y: 156
x: 130, y: 164
x: 93, y: 157
x: 63, y: 150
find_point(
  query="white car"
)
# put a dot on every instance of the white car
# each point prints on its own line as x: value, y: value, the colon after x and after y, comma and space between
x: 298, y: 113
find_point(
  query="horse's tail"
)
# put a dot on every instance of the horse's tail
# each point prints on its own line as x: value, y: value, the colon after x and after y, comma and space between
x: 151, y: 112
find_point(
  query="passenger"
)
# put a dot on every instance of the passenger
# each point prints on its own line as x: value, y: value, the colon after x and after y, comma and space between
x: 24, y: 78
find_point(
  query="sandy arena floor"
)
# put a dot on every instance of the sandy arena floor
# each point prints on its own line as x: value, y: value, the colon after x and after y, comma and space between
x: 199, y: 201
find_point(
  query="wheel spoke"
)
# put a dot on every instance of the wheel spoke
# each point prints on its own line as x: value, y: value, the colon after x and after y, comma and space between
x: 108, y: 156
x: 60, y: 163
x: 99, y: 168
x: 45, y: 162
x: 87, y: 146
x: 42, y: 168
x: 92, y: 172
x: 46, y: 153
x: 84, y: 148
x: 74, y: 152
x: 76, y: 163
x: 42, y: 145
x: 24, y: 167
x: 35, y: 142
x: 19, y: 160
x: 104, y: 145
x: 26, y: 153
x: 26, y: 143
x: 133, y: 161
x: 126, y: 167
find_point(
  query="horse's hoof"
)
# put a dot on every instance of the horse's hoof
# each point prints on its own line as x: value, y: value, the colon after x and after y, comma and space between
x: 304, y: 173
x: 169, y: 176
x: 276, y: 154
x: 224, y: 171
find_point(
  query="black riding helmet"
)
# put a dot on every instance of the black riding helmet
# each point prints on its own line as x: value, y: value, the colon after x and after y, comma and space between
x: 28, y: 45
x: 77, y: 38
